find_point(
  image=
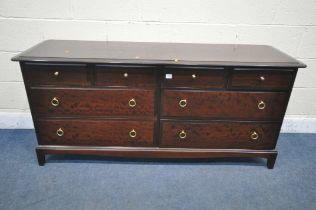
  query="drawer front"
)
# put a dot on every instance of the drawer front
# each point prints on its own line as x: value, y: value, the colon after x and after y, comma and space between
x: 123, y: 76
x: 194, y: 77
x: 219, y: 135
x: 95, y: 132
x: 57, y: 75
x: 93, y: 102
x: 256, y: 79
x: 224, y: 104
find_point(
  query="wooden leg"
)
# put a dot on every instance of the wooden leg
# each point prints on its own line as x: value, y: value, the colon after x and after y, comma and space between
x: 40, y: 157
x: 271, y: 160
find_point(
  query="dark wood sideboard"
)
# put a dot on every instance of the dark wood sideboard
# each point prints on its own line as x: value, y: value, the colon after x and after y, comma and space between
x: 157, y: 100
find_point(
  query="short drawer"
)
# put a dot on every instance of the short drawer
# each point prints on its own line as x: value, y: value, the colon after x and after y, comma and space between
x: 219, y: 135
x: 190, y: 77
x: 95, y: 132
x: 224, y: 104
x: 123, y: 76
x: 262, y: 79
x: 56, y: 74
x: 92, y: 102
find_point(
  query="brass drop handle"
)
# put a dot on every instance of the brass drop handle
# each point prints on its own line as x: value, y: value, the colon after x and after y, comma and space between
x: 56, y: 73
x: 182, y: 134
x: 183, y: 103
x: 254, y: 135
x: 125, y: 74
x: 132, y: 133
x: 261, y: 105
x: 193, y: 76
x: 132, y: 102
x: 55, y: 101
x: 60, y: 132
x: 262, y: 78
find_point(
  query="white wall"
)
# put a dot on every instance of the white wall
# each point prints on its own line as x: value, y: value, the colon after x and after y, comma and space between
x: 289, y: 25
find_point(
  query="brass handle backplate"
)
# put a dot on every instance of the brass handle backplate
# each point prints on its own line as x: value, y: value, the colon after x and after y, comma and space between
x: 261, y: 105
x: 262, y: 78
x: 132, y: 133
x: 132, y: 102
x: 60, y: 132
x: 56, y: 73
x: 254, y: 135
x: 182, y: 134
x: 55, y: 101
x: 183, y: 103
x: 125, y: 74
x: 193, y: 76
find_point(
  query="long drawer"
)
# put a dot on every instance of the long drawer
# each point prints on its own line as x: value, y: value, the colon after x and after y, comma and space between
x: 92, y: 102
x: 228, y: 135
x: 95, y: 132
x: 224, y: 104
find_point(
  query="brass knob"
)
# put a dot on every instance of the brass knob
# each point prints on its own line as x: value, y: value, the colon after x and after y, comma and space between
x: 60, y: 132
x: 261, y: 105
x: 254, y: 135
x: 182, y: 134
x: 262, y: 78
x: 193, y: 76
x: 56, y: 73
x: 125, y: 74
x: 132, y: 133
x: 132, y: 102
x: 55, y: 101
x: 183, y: 103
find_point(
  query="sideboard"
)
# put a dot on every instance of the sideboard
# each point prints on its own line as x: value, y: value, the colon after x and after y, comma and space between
x: 157, y: 100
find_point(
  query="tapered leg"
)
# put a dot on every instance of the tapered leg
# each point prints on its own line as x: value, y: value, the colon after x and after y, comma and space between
x: 40, y: 157
x: 271, y: 160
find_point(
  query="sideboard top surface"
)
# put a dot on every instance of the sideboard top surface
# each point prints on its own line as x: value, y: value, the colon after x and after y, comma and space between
x: 158, y: 53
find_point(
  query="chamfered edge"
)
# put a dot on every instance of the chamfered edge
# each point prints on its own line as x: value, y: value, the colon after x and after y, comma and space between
x: 21, y: 57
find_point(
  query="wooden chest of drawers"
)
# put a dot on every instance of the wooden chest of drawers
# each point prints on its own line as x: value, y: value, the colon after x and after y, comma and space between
x: 157, y: 100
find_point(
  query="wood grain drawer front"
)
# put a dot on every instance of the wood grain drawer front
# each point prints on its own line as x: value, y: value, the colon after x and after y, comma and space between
x: 57, y: 75
x: 194, y: 77
x: 224, y: 104
x: 123, y: 76
x: 279, y: 80
x: 95, y: 132
x: 224, y: 135
x: 92, y: 102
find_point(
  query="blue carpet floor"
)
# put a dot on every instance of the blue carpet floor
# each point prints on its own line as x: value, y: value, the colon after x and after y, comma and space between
x: 86, y: 182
